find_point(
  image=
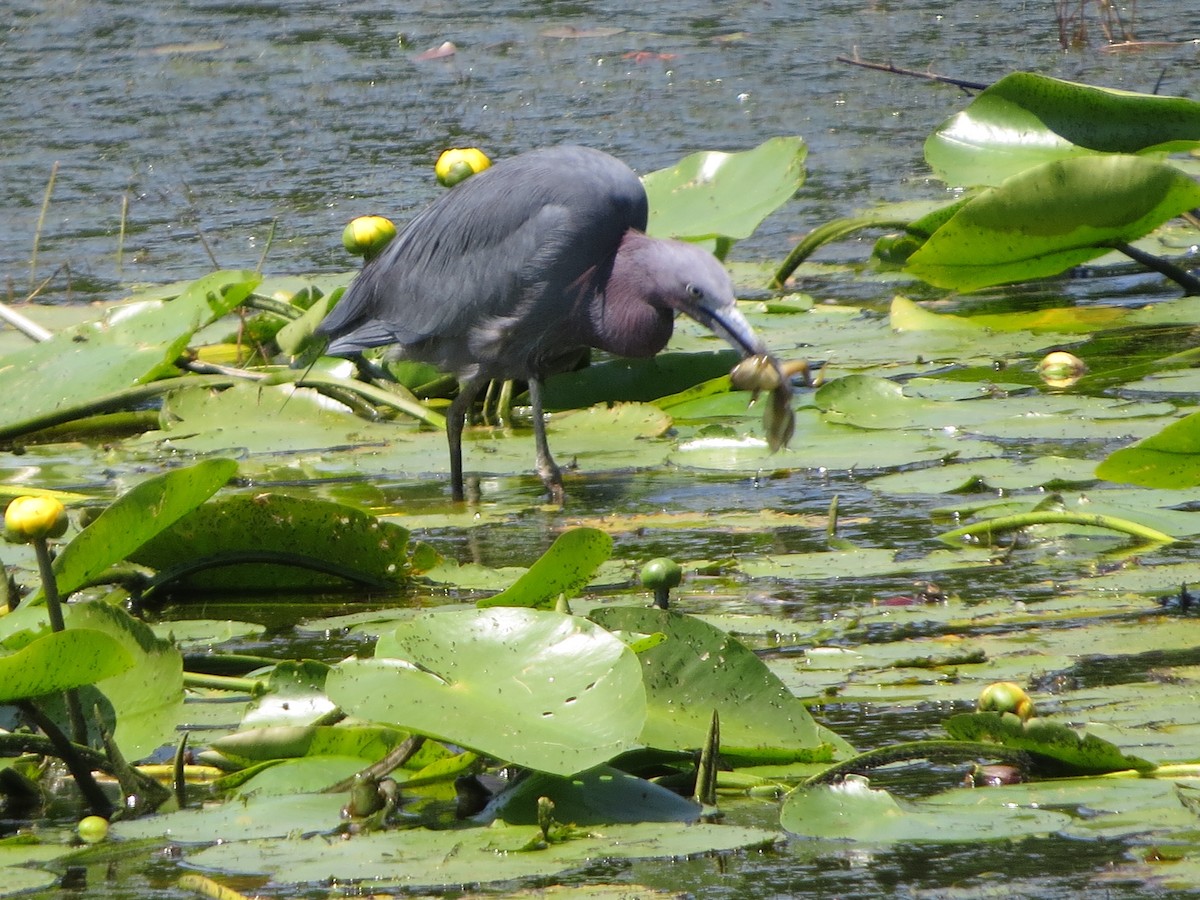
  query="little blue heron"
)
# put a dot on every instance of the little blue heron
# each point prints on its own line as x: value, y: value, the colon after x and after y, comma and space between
x: 514, y: 273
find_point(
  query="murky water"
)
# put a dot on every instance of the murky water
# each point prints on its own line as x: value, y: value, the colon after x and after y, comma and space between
x: 220, y: 118
x: 218, y: 122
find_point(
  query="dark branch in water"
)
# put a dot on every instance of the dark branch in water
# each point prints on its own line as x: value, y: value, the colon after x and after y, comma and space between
x: 913, y: 73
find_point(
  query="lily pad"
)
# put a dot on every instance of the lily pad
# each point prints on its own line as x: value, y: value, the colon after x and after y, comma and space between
x: 424, y: 858
x: 1024, y: 120
x: 562, y: 571
x: 247, y: 543
x: 1044, y: 220
x: 700, y: 669
x: 854, y: 811
x: 712, y: 195
x: 97, y: 366
x: 1051, y: 742
x: 1168, y: 459
x: 142, y: 705
x: 540, y: 689
x: 58, y: 661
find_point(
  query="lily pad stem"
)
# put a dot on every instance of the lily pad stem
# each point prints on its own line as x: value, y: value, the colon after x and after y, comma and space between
x: 54, y: 610
x: 1185, y: 279
x: 80, y: 769
x: 940, y: 750
x: 1050, y: 517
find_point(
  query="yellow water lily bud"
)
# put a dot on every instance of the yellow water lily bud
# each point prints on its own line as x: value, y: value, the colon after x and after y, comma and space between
x: 1061, y: 369
x: 366, y: 236
x: 30, y: 518
x: 458, y: 164
x: 1006, y: 697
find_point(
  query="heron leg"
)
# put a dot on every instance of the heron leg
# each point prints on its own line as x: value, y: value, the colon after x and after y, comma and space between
x: 547, y: 468
x: 456, y: 418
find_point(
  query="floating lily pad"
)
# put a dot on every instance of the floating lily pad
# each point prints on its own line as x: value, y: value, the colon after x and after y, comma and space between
x: 854, y: 811
x: 424, y: 858
x: 562, y: 571
x: 98, y: 366
x: 536, y: 688
x: 699, y: 669
x: 1052, y: 742
x: 247, y: 543
x: 58, y: 661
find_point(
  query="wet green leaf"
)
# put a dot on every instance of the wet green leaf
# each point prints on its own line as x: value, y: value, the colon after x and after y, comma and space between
x: 536, y: 688
x: 92, y: 367
x: 710, y: 195
x: 58, y: 661
x: 1044, y: 220
x: 853, y: 811
x: 142, y: 705
x: 600, y: 796
x: 1055, y: 744
x: 272, y: 541
x: 699, y: 669
x: 1024, y: 120
x: 1168, y: 459
x: 135, y: 517
x: 562, y: 571
x: 421, y: 857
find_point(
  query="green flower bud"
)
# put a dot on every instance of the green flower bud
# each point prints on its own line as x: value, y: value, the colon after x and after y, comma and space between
x: 92, y: 829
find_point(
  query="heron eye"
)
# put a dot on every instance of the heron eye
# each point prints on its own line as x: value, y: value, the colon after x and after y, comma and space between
x: 694, y: 291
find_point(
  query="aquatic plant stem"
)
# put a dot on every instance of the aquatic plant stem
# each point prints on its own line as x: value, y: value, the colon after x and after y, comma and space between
x: 54, y: 612
x: 121, y: 230
x: 79, y: 766
x: 1185, y: 279
x: 41, y: 221
x: 251, y: 686
x: 1001, y: 524
x: 940, y: 750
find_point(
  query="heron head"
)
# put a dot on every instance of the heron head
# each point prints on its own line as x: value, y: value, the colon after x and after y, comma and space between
x: 690, y: 280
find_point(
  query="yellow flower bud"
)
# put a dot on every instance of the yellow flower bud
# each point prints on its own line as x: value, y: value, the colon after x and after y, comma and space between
x: 30, y: 518
x: 1061, y: 369
x: 458, y: 164
x: 366, y: 236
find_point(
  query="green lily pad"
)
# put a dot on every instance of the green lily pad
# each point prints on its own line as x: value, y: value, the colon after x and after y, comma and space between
x: 57, y: 661
x: 540, y: 689
x: 1045, y: 220
x: 711, y: 195
x: 240, y: 820
x: 563, y: 570
x: 700, y: 669
x: 246, y: 543
x: 600, y: 796
x: 424, y: 858
x: 100, y: 365
x: 1050, y: 741
x: 135, y: 517
x: 1168, y: 459
x: 141, y: 705
x: 1024, y: 120
x: 854, y: 811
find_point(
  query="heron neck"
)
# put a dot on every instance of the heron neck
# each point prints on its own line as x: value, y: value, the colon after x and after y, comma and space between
x: 625, y: 318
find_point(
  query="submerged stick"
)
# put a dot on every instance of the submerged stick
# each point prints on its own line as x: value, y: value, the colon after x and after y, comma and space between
x: 37, y: 233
